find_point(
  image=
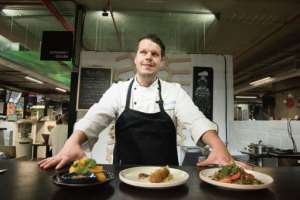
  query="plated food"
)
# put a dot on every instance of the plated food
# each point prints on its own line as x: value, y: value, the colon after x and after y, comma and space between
x: 85, y: 167
x: 83, y: 172
x: 237, y: 175
x: 161, y: 174
x: 233, y: 177
x: 153, y: 177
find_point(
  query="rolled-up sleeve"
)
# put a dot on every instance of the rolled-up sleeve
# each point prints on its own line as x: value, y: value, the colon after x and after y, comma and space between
x: 100, y: 115
x: 191, y: 117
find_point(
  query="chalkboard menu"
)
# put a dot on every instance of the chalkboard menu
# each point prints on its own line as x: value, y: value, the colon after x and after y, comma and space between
x: 93, y: 83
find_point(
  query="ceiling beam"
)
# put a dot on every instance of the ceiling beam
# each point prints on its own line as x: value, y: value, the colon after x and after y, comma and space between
x: 10, y: 86
x: 52, y: 9
x: 17, y: 87
x: 15, y: 33
x: 268, y: 35
x: 258, y: 71
x: 32, y: 74
x: 278, y: 77
x: 276, y: 52
x: 276, y: 60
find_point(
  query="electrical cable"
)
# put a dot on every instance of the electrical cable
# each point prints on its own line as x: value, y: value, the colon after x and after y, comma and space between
x: 290, y: 133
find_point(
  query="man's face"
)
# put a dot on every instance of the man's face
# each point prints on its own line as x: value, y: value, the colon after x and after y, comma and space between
x: 148, y: 58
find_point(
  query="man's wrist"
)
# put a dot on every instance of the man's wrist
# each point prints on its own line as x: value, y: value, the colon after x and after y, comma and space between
x: 212, y: 139
x: 77, y: 138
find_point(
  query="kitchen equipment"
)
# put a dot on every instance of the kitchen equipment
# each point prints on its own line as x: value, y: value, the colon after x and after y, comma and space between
x: 259, y: 148
x: 2, y: 135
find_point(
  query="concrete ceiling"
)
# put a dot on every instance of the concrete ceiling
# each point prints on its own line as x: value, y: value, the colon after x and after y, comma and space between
x: 262, y: 35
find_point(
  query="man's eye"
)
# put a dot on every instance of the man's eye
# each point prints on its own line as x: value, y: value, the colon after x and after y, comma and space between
x: 143, y: 52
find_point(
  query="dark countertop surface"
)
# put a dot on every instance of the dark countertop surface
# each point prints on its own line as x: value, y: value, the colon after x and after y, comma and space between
x: 24, y: 180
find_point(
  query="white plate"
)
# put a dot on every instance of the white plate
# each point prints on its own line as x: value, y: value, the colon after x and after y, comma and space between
x: 206, y: 175
x: 130, y: 176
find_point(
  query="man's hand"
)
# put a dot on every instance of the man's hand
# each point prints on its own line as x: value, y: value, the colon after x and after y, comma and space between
x: 66, y: 155
x: 215, y: 160
x: 216, y: 157
x: 219, y: 154
x: 71, y: 151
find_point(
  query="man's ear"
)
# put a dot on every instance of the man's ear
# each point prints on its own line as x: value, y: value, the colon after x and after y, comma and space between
x: 163, y: 62
x: 134, y: 59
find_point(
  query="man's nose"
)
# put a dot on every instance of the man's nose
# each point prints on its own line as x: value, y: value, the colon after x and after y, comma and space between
x: 148, y: 56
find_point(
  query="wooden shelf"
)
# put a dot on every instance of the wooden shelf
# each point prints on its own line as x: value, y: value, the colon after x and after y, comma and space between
x: 27, y: 121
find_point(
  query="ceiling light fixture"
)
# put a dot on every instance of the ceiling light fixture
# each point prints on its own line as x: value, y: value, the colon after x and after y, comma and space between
x: 38, y: 107
x: 33, y: 80
x: 262, y: 81
x: 245, y: 97
x: 60, y: 89
x: 207, y: 16
x: 11, y: 12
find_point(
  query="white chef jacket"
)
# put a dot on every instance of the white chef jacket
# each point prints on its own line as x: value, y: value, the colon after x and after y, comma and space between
x: 177, y: 103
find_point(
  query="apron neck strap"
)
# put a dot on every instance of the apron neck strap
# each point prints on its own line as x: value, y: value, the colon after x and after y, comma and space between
x: 129, y: 94
x: 160, y: 101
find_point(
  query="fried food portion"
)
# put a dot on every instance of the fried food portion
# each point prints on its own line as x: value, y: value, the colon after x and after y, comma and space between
x: 159, y: 175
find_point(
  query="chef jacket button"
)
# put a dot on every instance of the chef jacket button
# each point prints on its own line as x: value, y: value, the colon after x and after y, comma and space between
x: 134, y: 103
x: 134, y: 88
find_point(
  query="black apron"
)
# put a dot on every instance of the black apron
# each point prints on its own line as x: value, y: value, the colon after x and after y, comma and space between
x: 145, y: 138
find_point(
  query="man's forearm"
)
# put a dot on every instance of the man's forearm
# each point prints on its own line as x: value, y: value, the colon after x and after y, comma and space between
x: 77, y: 137
x: 212, y: 139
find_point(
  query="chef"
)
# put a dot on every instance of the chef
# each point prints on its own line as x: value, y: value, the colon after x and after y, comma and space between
x: 146, y: 110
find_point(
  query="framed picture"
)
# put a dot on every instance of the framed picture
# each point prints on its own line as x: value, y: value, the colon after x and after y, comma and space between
x: 203, y: 90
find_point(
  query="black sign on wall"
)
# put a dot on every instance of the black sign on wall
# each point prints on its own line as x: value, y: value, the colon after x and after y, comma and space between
x: 57, y: 45
x: 93, y: 83
x: 3, y: 101
x: 203, y: 90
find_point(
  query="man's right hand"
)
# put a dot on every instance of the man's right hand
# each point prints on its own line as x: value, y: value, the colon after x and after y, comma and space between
x: 67, y: 154
x: 71, y: 151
